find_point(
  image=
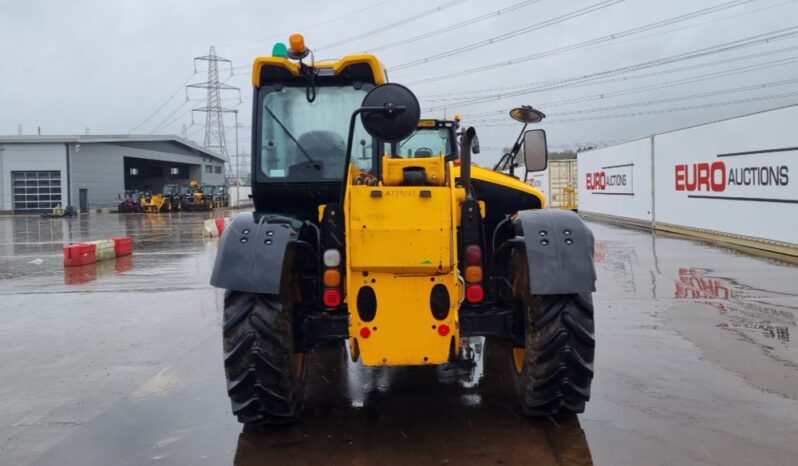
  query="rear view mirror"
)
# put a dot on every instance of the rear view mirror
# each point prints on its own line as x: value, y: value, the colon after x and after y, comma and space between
x: 475, y: 145
x: 390, y: 112
x: 535, y: 151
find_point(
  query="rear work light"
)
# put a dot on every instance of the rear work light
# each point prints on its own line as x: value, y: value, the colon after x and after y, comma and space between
x: 332, y: 258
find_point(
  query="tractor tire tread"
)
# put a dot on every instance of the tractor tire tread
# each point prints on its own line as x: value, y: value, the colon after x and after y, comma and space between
x: 559, y: 367
x: 258, y: 349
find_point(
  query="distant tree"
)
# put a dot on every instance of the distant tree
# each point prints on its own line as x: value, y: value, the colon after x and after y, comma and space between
x: 564, y: 155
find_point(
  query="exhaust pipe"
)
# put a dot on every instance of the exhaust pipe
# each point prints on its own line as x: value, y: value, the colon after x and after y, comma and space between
x: 465, y: 159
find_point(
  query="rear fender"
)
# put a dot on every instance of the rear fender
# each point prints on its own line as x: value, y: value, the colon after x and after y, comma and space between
x: 252, y: 253
x: 559, y: 251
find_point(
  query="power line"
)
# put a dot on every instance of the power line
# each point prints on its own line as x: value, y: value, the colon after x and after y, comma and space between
x: 453, y: 96
x: 165, y: 124
x: 750, y: 41
x: 173, y: 113
x: 666, y: 110
x: 306, y: 28
x: 393, y: 25
x: 701, y: 95
x: 509, y: 35
x: 165, y: 102
x: 584, y: 44
x: 453, y: 27
x: 484, y: 116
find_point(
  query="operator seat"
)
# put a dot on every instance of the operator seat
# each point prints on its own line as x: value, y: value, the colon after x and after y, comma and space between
x: 326, y: 147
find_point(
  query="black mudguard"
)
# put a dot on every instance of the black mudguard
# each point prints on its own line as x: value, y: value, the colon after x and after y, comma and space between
x: 559, y: 251
x: 252, y: 250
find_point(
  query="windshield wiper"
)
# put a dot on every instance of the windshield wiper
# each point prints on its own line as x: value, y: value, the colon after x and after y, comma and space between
x: 407, y: 139
x: 315, y: 164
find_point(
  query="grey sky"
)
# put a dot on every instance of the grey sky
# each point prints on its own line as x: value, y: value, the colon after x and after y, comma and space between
x: 109, y: 64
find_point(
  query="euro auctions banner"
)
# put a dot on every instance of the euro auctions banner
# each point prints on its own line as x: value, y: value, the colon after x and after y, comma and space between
x: 738, y: 176
x: 612, y: 180
x: 757, y: 176
x: 616, y: 180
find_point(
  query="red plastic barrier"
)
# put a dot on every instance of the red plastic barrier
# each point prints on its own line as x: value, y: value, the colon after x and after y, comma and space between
x: 123, y: 245
x: 79, y: 254
x: 220, y: 225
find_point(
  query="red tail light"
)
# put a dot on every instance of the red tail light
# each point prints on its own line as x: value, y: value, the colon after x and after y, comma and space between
x: 474, y: 293
x: 332, y: 298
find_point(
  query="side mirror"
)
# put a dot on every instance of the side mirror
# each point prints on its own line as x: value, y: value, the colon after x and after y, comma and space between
x: 475, y: 145
x: 535, y: 151
x: 390, y: 112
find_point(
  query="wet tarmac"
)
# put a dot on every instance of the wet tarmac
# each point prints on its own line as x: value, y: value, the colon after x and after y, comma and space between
x: 120, y: 363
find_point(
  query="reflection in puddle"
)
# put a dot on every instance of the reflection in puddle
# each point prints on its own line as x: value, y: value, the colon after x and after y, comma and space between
x: 752, y: 312
x: 91, y: 272
x: 619, y: 260
x: 743, y: 307
x: 451, y: 414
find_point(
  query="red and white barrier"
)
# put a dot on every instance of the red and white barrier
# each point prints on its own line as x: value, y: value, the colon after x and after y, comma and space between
x: 95, y: 251
x: 214, y: 227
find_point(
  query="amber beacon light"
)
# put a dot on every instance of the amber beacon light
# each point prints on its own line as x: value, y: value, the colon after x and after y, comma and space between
x: 296, y: 45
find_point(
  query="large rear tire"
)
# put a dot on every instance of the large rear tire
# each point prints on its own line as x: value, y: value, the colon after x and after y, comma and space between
x: 265, y: 376
x: 554, y: 369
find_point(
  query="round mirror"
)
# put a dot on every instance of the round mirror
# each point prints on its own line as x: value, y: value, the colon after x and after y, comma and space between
x: 395, y: 112
x: 527, y: 114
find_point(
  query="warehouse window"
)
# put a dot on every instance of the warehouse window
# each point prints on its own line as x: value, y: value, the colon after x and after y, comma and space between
x: 218, y: 169
x: 36, y: 190
x: 208, y: 168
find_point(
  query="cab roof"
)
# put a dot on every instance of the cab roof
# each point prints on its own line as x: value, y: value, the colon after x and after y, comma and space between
x: 362, y: 67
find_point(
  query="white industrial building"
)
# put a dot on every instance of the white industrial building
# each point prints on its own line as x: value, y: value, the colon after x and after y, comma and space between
x: 93, y: 171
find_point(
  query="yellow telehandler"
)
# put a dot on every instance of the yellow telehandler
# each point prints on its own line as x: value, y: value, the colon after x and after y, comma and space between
x: 365, y: 232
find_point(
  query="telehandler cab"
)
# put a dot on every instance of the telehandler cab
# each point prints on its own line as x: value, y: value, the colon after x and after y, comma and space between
x: 174, y: 201
x: 430, y: 139
x: 402, y: 257
x: 194, y: 197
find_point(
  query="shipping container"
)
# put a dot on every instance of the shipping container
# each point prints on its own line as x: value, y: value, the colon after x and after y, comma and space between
x: 563, y: 192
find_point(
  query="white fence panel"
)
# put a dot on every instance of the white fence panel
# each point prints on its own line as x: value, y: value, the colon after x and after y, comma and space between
x: 616, y: 180
x: 540, y: 180
x: 736, y: 176
x: 239, y: 196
